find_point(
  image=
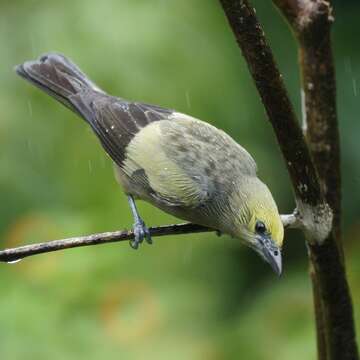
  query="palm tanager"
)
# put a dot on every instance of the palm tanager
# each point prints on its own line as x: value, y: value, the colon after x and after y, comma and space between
x: 184, y: 166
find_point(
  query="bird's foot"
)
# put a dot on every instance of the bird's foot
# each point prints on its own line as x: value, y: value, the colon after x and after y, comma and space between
x: 218, y: 233
x: 141, y: 232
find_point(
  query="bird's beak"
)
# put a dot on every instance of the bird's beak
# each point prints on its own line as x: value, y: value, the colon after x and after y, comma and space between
x: 270, y: 252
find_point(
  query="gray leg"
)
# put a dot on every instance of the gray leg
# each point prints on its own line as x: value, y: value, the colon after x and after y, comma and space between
x: 141, y: 232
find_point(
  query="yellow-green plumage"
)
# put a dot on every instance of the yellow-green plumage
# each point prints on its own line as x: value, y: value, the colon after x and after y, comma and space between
x: 197, y: 172
x: 182, y: 165
x: 167, y: 178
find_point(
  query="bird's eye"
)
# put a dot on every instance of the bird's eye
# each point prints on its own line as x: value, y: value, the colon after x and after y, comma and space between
x: 260, y: 227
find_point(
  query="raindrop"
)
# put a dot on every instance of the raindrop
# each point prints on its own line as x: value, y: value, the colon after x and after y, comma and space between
x: 30, y: 146
x: 14, y: 261
x: 90, y: 166
x: 354, y: 86
x: 30, y: 108
x: 32, y: 42
x: 188, y: 254
x: 188, y: 99
x: 347, y: 65
x: 303, y: 110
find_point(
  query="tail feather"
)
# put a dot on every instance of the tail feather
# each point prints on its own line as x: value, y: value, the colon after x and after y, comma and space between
x: 115, y: 121
x: 57, y: 76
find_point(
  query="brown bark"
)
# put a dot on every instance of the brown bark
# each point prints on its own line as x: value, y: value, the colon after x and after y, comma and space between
x: 314, y: 163
x: 311, y: 23
x: 251, y: 39
x: 19, y: 253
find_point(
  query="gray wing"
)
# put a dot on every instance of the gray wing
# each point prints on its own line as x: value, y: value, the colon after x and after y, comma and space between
x: 116, y: 121
x: 184, y: 161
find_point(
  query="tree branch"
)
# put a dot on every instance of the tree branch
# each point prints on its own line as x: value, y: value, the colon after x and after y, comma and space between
x: 317, y: 196
x: 16, y: 254
x: 292, y: 221
x: 19, y: 253
x: 251, y: 39
x: 311, y: 23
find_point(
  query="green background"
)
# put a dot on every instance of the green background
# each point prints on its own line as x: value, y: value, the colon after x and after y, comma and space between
x: 185, y: 297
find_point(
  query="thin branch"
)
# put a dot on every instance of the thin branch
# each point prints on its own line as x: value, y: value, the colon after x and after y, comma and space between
x: 19, y: 253
x: 16, y: 254
x: 292, y: 221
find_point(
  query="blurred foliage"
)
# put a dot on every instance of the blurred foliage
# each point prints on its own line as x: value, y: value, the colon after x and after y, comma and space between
x: 185, y: 297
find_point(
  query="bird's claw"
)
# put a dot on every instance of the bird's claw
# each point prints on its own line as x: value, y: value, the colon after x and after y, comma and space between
x: 141, y: 232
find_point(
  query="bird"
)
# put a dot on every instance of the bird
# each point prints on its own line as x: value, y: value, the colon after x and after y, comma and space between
x: 179, y: 164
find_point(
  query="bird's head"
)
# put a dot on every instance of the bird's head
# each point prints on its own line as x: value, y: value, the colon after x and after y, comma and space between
x: 259, y: 223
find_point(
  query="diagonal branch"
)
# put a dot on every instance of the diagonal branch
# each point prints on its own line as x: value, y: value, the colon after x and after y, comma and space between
x: 317, y: 184
x: 251, y: 39
x: 311, y: 23
x: 19, y: 253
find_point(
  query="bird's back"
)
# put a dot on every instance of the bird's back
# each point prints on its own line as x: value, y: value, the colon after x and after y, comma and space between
x: 182, y: 164
x: 200, y: 147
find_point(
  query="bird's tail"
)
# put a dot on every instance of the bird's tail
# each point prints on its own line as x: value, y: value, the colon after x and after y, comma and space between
x: 57, y: 76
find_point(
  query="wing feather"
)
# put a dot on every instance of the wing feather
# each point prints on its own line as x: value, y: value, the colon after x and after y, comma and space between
x: 186, y: 162
x: 116, y: 121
